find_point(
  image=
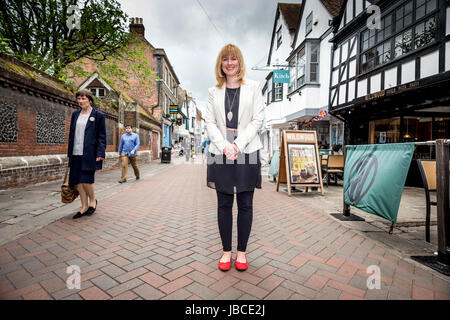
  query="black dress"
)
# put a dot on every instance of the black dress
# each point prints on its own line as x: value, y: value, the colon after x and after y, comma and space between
x: 243, y: 174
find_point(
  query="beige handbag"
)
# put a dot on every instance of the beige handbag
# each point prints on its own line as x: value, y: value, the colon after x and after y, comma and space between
x: 68, y: 192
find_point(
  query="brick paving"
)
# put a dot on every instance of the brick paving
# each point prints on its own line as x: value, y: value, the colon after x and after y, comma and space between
x: 159, y: 240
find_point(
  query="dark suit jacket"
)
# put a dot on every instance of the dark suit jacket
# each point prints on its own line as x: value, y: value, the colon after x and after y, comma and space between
x: 94, y: 140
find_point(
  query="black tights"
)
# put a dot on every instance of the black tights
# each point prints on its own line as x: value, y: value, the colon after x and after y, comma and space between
x: 244, y: 219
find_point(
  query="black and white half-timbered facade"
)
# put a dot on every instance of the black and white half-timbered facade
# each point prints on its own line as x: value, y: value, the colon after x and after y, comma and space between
x: 390, y: 74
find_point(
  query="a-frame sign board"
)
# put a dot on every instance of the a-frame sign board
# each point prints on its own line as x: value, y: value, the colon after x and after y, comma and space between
x: 299, y: 164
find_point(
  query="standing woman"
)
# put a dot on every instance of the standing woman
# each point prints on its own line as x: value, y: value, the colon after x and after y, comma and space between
x: 233, y: 118
x: 86, y: 151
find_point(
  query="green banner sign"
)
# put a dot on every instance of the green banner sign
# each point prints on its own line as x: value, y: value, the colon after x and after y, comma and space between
x: 375, y: 175
x: 281, y: 76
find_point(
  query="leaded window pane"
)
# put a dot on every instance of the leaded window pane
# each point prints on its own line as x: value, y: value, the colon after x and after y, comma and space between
x: 420, y: 11
x: 431, y: 5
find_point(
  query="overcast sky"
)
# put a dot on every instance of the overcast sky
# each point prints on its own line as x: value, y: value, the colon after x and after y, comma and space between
x: 192, y: 42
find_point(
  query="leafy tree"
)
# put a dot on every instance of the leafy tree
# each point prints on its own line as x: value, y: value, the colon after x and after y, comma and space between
x: 44, y: 34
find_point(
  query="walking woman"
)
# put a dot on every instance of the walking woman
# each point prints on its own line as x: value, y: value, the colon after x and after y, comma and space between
x: 86, y: 151
x: 233, y: 118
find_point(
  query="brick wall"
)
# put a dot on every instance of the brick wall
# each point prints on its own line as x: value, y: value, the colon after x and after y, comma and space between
x: 19, y: 171
x: 35, y: 113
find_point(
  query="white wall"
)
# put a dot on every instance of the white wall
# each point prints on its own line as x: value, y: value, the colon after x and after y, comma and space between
x: 390, y: 78
x: 429, y: 64
x: 322, y: 15
x: 447, y: 56
x: 408, y: 71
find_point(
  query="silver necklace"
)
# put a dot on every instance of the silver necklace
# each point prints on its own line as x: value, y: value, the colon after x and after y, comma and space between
x: 230, y: 106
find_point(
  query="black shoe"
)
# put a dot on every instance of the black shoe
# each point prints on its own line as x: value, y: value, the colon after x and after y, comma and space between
x: 78, y: 215
x: 122, y: 181
x: 137, y: 178
x: 90, y: 211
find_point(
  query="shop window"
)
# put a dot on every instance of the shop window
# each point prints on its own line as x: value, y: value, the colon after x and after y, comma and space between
x: 384, y: 131
x: 442, y: 128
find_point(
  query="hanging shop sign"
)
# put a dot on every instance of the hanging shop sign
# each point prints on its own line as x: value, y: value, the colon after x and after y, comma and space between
x: 299, y: 163
x: 281, y: 76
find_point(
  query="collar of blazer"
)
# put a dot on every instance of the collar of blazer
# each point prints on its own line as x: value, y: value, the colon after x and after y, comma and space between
x: 243, y: 93
x: 93, y: 114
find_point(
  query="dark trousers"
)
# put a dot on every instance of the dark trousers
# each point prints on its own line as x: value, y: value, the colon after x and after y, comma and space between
x: 244, y: 218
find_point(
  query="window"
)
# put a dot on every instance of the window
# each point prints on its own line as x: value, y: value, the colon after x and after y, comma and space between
x: 293, y: 69
x: 381, y: 46
x: 424, y: 7
x: 403, y: 16
x: 386, y: 28
x: 425, y: 32
x: 301, y: 61
x: 314, y: 63
x: 309, y: 23
x: 376, y: 56
x: 304, y: 67
x: 278, y: 91
x: 279, y: 37
x: 166, y: 104
x: 269, y: 91
x: 403, y: 43
x: 98, y: 92
x: 368, y: 38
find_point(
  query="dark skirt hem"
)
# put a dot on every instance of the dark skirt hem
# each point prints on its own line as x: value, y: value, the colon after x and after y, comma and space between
x: 76, y: 175
x: 234, y: 178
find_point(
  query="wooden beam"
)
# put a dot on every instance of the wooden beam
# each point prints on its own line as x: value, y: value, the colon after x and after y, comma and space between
x: 442, y: 193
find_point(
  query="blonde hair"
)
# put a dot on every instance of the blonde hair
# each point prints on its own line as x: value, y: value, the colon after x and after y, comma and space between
x: 229, y: 50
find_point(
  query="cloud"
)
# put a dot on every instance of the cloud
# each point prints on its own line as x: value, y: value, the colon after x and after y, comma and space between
x: 192, y: 43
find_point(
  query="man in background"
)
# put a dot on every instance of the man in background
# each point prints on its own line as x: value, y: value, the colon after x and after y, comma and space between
x: 129, y: 144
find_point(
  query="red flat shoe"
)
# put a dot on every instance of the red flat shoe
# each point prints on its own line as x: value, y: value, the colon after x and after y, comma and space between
x: 225, y: 266
x: 241, y: 266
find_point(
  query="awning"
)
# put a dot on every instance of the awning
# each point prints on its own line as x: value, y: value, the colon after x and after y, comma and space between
x: 303, y: 115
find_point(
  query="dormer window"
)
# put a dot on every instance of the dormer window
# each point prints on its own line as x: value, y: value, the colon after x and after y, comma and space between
x: 98, y: 92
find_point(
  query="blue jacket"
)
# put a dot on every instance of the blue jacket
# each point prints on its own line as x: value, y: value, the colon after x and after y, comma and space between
x: 94, y: 145
x: 128, y: 143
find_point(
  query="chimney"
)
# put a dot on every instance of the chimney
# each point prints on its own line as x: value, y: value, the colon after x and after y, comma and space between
x: 137, y: 27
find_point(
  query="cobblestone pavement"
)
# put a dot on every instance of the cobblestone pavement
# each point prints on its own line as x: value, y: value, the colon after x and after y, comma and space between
x: 28, y: 208
x: 158, y: 239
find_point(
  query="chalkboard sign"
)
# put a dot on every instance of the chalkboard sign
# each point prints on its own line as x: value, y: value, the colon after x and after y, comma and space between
x: 299, y: 163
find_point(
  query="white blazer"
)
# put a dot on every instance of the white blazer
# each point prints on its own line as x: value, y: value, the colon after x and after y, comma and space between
x: 250, y: 118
